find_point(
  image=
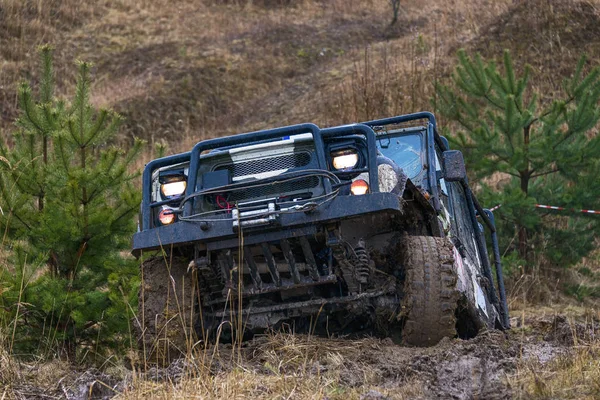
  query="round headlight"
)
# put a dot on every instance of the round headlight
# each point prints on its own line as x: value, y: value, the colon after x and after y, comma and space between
x: 344, y: 159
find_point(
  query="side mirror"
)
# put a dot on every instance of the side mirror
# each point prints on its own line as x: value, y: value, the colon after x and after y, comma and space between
x: 454, y: 166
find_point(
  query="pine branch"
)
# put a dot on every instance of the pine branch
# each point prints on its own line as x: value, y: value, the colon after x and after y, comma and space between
x: 97, y: 128
x: 492, y: 101
x: 25, y: 92
x: 72, y: 132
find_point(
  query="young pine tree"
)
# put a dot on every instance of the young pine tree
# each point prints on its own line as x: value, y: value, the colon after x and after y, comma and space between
x: 550, y: 154
x: 68, y: 204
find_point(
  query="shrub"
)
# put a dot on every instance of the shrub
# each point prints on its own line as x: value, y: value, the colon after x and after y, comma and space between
x: 68, y: 206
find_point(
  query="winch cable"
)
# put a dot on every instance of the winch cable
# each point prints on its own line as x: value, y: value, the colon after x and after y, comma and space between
x: 311, y: 204
x: 295, y: 209
x: 282, y: 178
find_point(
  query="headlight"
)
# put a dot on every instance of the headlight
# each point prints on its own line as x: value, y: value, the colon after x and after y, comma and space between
x: 173, y: 187
x: 344, y: 159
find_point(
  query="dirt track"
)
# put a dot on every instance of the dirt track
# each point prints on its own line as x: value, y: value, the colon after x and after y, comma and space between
x: 367, y: 368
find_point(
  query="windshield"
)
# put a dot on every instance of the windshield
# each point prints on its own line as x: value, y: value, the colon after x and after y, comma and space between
x: 405, y: 151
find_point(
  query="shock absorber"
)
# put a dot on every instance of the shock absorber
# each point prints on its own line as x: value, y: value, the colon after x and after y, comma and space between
x: 362, y: 267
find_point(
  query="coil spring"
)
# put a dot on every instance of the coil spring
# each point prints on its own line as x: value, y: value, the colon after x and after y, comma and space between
x: 362, y: 269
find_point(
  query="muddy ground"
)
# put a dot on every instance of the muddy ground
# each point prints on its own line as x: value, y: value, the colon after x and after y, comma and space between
x: 373, y: 368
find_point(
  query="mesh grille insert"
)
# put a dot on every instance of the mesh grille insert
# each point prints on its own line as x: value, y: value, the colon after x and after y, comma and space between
x: 258, y: 166
x: 294, y: 186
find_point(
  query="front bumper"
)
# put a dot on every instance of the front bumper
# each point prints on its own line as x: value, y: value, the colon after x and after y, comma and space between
x: 221, y: 234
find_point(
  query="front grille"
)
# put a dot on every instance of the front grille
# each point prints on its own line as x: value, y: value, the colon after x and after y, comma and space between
x: 275, y: 189
x: 258, y: 166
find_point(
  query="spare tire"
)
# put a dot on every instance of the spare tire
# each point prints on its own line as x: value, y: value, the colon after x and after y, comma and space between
x: 430, y: 295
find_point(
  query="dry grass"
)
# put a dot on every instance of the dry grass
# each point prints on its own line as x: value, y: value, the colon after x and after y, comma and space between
x: 282, y: 366
x: 574, y: 374
x: 552, y: 352
x: 241, y: 384
x: 185, y: 71
x: 276, y: 366
x: 7, y: 371
x: 189, y: 70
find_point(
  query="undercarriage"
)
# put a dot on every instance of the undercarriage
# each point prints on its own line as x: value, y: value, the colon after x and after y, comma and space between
x: 291, y: 279
x: 321, y: 283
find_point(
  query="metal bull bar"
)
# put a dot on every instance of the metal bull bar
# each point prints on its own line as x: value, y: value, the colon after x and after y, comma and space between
x: 253, y: 137
x: 273, y: 134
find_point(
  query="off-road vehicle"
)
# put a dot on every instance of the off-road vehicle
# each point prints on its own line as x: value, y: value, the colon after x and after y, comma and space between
x: 368, y: 226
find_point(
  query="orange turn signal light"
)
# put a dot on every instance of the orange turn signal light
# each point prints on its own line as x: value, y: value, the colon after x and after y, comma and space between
x: 359, y: 186
x: 166, y: 216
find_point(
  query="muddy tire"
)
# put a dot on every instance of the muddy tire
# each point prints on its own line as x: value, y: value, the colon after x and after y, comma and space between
x: 430, y: 297
x: 165, y: 309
